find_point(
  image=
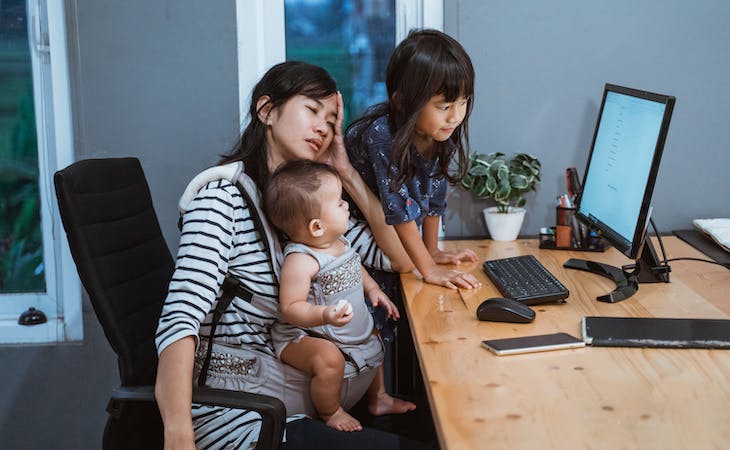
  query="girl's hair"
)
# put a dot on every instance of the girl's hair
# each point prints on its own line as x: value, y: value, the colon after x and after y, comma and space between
x: 291, y: 198
x: 425, y: 64
x: 280, y: 83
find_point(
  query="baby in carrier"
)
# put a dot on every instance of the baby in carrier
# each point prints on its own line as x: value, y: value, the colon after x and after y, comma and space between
x: 322, y: 292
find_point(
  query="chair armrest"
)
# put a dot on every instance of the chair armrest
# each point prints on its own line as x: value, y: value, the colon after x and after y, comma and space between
x: 272, y: 410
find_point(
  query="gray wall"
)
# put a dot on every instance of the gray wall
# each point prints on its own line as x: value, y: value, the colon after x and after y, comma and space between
x: 151, y: 79
x: 157, y: 80
x: 541, y: 67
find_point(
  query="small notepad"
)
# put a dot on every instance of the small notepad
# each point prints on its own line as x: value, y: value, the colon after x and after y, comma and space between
x: 717, y: 229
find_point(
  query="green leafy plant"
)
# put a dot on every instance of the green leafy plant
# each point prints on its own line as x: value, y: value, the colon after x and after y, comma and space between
x: 492, y: 176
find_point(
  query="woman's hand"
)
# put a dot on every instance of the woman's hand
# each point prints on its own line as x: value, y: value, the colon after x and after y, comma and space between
x: 452, y: 279
x: 180, y: 441
x: 379, y: 299
x: 454, y: 257
x: 336, y: 154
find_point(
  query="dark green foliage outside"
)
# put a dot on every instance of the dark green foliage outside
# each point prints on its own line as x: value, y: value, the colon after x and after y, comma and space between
x: 21, y: 244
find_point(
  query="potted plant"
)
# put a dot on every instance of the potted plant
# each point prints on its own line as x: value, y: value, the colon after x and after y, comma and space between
x: 506, y: 181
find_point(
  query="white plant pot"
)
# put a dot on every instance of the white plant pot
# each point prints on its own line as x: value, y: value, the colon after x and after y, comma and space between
x: 504, y: 226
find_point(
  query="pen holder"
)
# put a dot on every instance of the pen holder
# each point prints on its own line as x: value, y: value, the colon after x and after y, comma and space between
x: 570, y: 234
x: 567, y: 229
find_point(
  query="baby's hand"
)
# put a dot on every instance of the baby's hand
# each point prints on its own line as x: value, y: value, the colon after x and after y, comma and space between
x: 339, y: 314
x: 378, y: 298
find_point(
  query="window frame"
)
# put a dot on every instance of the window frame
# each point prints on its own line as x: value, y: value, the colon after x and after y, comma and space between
x: 261, y: 36
x: 61, y: 303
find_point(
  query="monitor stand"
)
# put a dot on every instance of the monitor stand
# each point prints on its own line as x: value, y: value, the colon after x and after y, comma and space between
x: 646, y: 269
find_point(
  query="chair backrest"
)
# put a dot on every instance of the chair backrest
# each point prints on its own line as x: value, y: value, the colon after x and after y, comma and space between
x: 120, y: 254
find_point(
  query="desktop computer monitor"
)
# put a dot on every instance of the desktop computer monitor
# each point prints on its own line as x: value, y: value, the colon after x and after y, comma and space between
x: 618, y: 183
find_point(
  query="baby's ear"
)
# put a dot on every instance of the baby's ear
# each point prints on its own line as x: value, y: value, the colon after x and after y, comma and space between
x: 316, y: 229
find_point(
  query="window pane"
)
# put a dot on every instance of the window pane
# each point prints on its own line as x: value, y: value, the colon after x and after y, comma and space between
x: 352, y: 39
x: 21, y: 245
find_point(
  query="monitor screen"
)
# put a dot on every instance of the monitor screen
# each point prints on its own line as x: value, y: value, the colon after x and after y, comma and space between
x: 623, y: 163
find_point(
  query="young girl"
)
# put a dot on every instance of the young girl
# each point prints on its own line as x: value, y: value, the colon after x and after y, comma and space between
x: 403, y: 148
x: 322, y: 289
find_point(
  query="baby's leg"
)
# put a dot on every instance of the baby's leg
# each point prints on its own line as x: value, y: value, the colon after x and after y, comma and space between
x: 324, y: 362
x: 380, y: 402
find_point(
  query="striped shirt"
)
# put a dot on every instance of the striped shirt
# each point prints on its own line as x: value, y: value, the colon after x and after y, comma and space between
x: 219, y: 237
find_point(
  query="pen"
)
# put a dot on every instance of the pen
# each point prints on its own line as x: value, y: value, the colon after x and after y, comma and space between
x: 574, y: 187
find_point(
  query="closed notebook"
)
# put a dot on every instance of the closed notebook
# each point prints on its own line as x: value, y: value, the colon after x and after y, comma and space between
x: 656, y: 332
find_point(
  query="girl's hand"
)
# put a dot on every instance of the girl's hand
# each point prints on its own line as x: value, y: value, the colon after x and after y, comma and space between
x: 378, y: 298
x: 338, y: 315
x: 454, y: 257
x: 451, y: 279
x: 336, y: 154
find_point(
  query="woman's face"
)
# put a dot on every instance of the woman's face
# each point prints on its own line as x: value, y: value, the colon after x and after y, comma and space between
x: 301, y: 128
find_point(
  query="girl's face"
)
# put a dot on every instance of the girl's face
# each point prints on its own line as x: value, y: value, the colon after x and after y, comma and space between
x: 437, y: 121
x: 301, y: 128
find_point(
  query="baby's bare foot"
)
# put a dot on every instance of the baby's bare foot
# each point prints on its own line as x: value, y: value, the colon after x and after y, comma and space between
x: 385, y: 404
x: 342, y: 421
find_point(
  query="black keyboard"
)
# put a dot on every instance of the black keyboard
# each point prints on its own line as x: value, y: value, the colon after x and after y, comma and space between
x: 525, y: 279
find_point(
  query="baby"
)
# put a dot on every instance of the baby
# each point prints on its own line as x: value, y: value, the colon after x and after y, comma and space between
x: 321, y: 291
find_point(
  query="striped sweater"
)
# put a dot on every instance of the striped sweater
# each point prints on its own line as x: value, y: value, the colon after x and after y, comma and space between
x: 219, y: 236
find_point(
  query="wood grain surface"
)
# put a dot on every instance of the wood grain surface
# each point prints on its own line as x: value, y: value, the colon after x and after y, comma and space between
x: 587, y: 398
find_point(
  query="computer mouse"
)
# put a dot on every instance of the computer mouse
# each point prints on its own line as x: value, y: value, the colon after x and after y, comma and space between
x: 504, y: 310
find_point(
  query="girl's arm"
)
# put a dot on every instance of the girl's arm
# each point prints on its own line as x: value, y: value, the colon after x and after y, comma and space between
x: 174, y: 393
x: 431, y: 273
x: 297, y: 272
x: 385, y: 236
x: 430, y: 239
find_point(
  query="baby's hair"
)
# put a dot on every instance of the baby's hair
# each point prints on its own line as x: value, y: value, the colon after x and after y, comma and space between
x: 425, y: 64
x: 291, y: 199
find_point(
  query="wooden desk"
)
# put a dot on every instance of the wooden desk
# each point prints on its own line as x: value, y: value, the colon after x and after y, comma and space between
x: 601, y: 397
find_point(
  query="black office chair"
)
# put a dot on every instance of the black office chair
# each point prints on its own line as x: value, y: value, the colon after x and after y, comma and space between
x: 125, y: 267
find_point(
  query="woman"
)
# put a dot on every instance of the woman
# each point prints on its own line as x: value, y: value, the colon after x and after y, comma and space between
x: 295, y: 112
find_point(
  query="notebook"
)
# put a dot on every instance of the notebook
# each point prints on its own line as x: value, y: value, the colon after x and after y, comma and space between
x: 717, y: 229
x: 656, y: 332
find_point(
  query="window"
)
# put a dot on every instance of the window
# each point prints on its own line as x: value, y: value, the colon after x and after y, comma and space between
x: 36, y: 268
x: 352, y: 39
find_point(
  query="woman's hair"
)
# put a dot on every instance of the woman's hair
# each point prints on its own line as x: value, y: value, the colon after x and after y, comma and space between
x: 291, y: 197
x: 280, y: 83
x: 425, y: 64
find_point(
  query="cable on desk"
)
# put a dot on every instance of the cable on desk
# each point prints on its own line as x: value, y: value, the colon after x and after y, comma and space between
x: 687, y: 258
x: 666, y: 261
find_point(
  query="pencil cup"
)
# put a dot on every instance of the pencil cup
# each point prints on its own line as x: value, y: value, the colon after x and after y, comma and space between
x: 564, y: 216
x: 563, y: 235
